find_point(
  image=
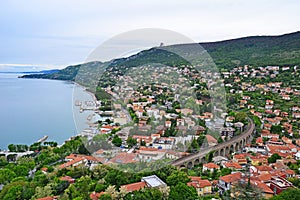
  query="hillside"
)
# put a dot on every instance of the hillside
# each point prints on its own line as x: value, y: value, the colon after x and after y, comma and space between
x: 255, y: 50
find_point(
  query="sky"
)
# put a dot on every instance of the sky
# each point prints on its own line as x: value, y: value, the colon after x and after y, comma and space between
x: 57, y: 33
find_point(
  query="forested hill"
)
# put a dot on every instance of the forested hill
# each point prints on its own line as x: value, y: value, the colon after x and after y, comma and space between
x: 255, y: 50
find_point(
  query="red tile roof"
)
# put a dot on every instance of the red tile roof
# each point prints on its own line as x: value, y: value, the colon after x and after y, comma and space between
x: 211, y: 139
x: 234, y: 165
x: 200, y: 184
x: 264, y: 168
x: 67, y: 178
x: 259, y: 140
x: 264, y: 177
x: 134, y: 186
x: 197, y: 182
x: 195, y: 178
x: 95, y: 195
x: 71, y: 163
x: 211, y: 166
x: 123, y: 158
x: 230, y: 178
x: 290, y: 172
x: 48, y: 198
x: 264, y: 187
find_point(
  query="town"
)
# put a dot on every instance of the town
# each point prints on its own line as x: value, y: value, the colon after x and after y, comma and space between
x: 169, y: 127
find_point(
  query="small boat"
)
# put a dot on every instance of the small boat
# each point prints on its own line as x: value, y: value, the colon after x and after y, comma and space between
x: 43, y: 139
x: 78, y: 103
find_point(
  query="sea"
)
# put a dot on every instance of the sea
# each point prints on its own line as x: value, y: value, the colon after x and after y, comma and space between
x: 33, y: 108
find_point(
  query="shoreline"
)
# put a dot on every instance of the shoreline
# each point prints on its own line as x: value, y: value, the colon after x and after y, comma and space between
x: 87, y: 123
x: 92, y: 112
x: 85, y: 89
x: 61, y: 130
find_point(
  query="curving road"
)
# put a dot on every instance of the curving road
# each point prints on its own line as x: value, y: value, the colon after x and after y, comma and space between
x: 234, y: 140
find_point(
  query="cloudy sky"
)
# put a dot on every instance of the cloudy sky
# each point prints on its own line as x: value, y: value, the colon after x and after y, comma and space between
x: 56, y: 33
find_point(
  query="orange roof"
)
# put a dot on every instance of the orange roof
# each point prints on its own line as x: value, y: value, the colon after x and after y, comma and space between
x: 44, y: 169
x: 265, y: 131
x: 259, y: 140
x: 211, y: 166
x: 148, y: 149
x: 264, y: 168
x: 134, y: 186
x: 264, y: 177
x: 48, y: 198
x: 91, y: 158
x: 72, y: 156
x: 278, y: 173
x: 200, y: 184
x: 234, y: 165
x: 211, y: 139
x: 240, y: 156
x: 195, y: 178
x: 67, y: 178
x: 72, y: 162
x: 289, y: 171
x: 262, y: 186
x: 197, y: 182
x: 95, y: 195
x: 230, y: 178
x: 277, y: 148
x: 123, y: 158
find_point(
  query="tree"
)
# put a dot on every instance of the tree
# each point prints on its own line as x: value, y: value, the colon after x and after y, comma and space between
x: 240, y: 117
x: 21, y: 170
x: 177, y: 177
x: 12, y: 148
x: 273, y: 158
x: 182, y: 191
x: 60, y: 187
x: 225, y: 171
x: 26, y: 161
x: 113, y: 131
x: 165, y: 191
x: 3, y: 161
x: 99, y: 172
x: 220, y: 140
x: 295, y: 181
x: 143, y: 143
x: 144, y: 194
x: 17, y: 190
x: 194, y: 147
x: 117, y: 141
x: 42, y: 192
x: 6, y: 175
x: 116, y: 177
x: 290, y: 194
x: 244, y: 191
x: 201, y: 139
x: 277, y: 129
x: 209, y: 156
x: 112, y: 192
x: 131, y: 141
x: 105, y: 197
x: 71, y: 192
x: 83, y: 185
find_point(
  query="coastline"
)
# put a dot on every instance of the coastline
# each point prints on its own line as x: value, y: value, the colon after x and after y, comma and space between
x: 40, y: 101
x: 78, y: 112
x: 74, y: 131
x: 86, y: 90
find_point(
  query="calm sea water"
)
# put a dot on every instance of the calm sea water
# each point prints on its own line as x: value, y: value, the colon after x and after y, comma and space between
x: 32, y: 108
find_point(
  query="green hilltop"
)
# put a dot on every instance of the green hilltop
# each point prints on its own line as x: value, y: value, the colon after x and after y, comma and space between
x: 255, y: 50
